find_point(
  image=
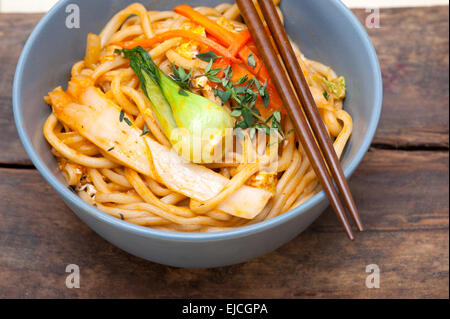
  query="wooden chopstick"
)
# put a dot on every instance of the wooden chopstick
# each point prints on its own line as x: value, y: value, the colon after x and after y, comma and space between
x: 309, y: 106
x: 292, y: 106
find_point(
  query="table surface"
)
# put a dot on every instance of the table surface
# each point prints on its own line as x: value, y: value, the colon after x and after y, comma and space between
x: 401, y: 188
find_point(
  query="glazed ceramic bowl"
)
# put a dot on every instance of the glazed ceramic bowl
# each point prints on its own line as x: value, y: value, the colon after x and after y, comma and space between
x: 325, y: 30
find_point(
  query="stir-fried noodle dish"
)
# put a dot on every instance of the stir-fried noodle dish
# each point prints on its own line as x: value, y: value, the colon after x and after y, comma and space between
x: 171, y: 121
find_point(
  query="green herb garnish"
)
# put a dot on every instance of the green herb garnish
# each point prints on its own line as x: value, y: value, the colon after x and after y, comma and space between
x: 223, y: 95
x: 211, y: 73
x: 146, y: 130
x: 336, y: 86
x: 208, y: 56
x: 182, y: 78
x: 251, y: 60
x: 128, y: 121
x: 242, y: 80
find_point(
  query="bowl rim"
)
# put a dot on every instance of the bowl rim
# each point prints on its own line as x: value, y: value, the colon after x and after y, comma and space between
x: 69, y: 196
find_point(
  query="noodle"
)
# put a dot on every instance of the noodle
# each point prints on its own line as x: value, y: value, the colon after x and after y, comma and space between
x: 147, y: 200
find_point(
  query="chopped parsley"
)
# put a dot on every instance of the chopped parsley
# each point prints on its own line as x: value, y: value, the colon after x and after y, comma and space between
x: 128, y: 121
x: 223, y: 95
x: 245, y: 97
x: 208, y: 56
x: 251, y: 60
x: 182, y: 78
x: 211, y: 73
x: 146, y: 130
x: 242, y: 80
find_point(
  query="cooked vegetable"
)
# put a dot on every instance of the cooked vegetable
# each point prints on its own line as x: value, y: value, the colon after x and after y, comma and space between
x: 337, y: 86
x: 234, y: 40
x: 200, y: 183
x: 98, y: 120
x: 185, y: 117
x: 241, y: 75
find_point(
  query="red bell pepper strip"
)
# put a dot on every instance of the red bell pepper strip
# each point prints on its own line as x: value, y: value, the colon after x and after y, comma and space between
x: 228, y: 38
x: 235, y: 41
x: 239, y: 70
x: 225, y: 36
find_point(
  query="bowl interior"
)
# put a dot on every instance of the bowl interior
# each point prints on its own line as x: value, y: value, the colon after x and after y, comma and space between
x: 325, y: 30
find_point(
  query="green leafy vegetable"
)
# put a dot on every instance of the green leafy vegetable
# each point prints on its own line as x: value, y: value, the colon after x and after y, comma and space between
x: 242, y: 80
x: 208, y: 56
x: 182, y: 78
x: 251, y: 60
x: 175, y: 108
x: 223, y: 95
x: 337, y: 86
x: 211, y: 73
x: 146, y: 130
x: 245, y: 96
x: 128, y: 121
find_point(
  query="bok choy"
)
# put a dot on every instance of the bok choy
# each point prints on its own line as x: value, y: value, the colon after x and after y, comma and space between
x: 194, y: 125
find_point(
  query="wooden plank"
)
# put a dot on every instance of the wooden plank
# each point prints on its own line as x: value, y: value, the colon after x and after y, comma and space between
x: 414, y: 59
x: 412, y: 45
x: 14, y: 31
x: 405, y: 210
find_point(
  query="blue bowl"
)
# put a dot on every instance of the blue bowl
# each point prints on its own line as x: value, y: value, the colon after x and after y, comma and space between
x: 325, y: 30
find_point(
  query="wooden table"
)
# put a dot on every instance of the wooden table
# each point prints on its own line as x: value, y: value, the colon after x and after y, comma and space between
x: 401, y: 188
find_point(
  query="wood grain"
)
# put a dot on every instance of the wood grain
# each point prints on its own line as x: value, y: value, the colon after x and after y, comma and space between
x: 401, y: 189
x: 405, y: 211
x: 14, y: 31
x: 412, y: 46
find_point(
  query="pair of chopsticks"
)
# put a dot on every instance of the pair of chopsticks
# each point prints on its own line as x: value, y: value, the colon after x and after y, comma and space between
x: 293, y: 106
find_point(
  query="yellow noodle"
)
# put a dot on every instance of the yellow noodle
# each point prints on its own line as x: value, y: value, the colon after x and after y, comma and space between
x: 71, y: 154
